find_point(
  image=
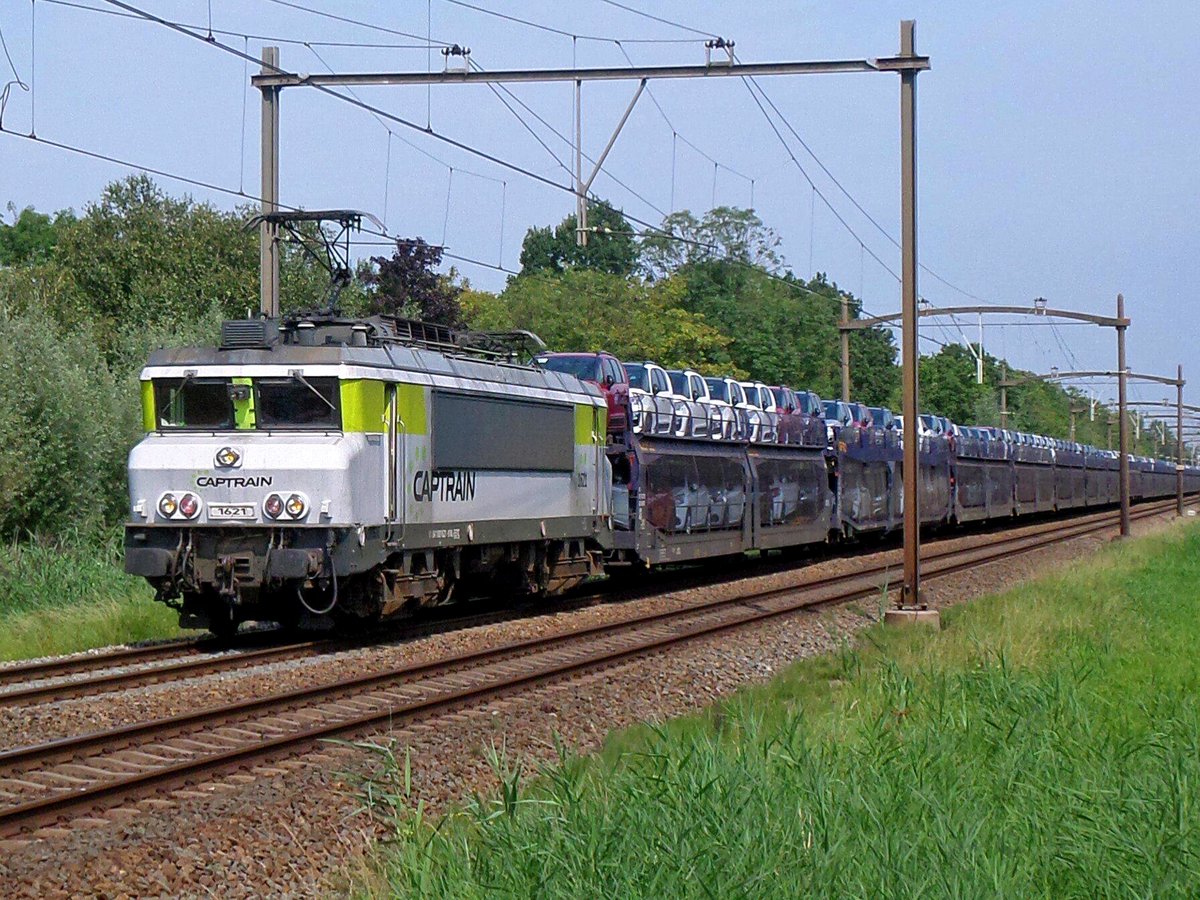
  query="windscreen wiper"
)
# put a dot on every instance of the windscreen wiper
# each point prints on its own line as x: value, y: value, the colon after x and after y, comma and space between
x: 299, y: 376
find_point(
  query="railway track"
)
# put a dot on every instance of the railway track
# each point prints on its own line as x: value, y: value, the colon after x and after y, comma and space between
x: 178, y: 660
x: 47, y: 783
x: 129, y: 667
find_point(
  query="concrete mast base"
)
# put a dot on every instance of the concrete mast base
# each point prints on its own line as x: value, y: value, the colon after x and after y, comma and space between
x: 928, y: 618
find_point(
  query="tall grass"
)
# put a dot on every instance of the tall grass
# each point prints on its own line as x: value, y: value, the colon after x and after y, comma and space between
x: 71, y: 594
x: 1047, y: 743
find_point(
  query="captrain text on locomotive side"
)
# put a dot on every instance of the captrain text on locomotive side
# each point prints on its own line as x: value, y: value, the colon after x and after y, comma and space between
x: 334, y: 469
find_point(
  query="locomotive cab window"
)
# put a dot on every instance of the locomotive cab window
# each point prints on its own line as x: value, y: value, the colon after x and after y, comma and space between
x: 226, y: 404
x: 193, y: 403
x: 297, y: 402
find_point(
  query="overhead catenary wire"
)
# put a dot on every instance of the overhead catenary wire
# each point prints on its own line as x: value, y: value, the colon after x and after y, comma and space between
x: 14, y: 81
x: 151, y: 170
x: 8, y: 56
x: 804, y: 172
x: 561, y: 32
x: 383, y: 239
x: 497, y: 89
x: 419, y: 149
x: 353, y: 100
x: 212, y: 186
x: 659, y: 19
x: 389, y: 239
x: 376, y: 110
x: 676, y: 136
x: 269, y: 38
x: 429, y: 41
x: 870, y: 218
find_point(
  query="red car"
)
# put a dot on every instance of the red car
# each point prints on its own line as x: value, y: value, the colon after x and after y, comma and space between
x: 604, y: 371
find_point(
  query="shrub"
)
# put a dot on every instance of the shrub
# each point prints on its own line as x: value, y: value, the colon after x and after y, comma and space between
x: 65, y: 429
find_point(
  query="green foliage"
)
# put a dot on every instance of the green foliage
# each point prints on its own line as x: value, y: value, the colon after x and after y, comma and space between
x: 138, y: 255
x: 949, y: 386
x: 784, y: 331
x: 583, y: 309
x: 1044, y: 744
x: 141, y: 256
x: 70, y: 594
x: 725, y: 233
x: 65, y: 429
x: 610, y: 248
x: 32, y: 236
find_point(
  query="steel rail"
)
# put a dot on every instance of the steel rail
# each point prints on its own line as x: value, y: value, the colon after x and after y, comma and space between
x: 52, y: 668
x: 51, y: 808
x: 196, y: 660
x: 197, y: 665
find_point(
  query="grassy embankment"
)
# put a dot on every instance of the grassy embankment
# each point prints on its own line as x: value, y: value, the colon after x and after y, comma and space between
x: 73, y: 596
x: 1045, y: 743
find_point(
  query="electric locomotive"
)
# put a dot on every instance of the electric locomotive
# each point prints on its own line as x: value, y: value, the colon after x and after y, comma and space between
x: 332, y: 468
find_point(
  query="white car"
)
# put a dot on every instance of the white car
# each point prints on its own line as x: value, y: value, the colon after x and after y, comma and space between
x: 720, y: 416
x: 691, y: 387
x: 764, y: 413
x: 693, y: 507
x: 730, y: 392
x: 656, y: 408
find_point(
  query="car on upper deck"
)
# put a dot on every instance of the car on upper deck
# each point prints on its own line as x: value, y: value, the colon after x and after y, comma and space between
x: 837, y: 415
x: 763, y: 414
x: 883, y: 417
x: 656, y: 408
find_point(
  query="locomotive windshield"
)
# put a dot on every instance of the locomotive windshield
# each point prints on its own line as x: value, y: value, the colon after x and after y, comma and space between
x: 223, y: 404
x: 191, y: 403
x: 297, y: 402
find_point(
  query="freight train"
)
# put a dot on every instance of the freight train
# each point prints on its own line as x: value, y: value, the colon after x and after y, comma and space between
x: 323, y: 469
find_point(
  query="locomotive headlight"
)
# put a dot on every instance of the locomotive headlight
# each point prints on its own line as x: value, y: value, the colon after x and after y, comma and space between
x: 273, y: 506
x: 189, y: 506
x: 296, y: 506
x: 167, y: 505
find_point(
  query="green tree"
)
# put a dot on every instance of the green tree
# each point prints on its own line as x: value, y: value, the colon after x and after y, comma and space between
x: 140, y: 255
x: 784, y: 330
x: 31, y: 237
x: 610, y: 248
x: 948, y: 385
x: 588, y: 310
x: 65, y: 430
x: 726, y: 233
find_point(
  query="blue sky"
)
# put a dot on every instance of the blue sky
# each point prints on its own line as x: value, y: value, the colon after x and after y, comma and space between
x: 1058, y: 141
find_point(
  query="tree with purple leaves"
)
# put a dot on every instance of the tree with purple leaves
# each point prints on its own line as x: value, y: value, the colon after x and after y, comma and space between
x: 408, y: 285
